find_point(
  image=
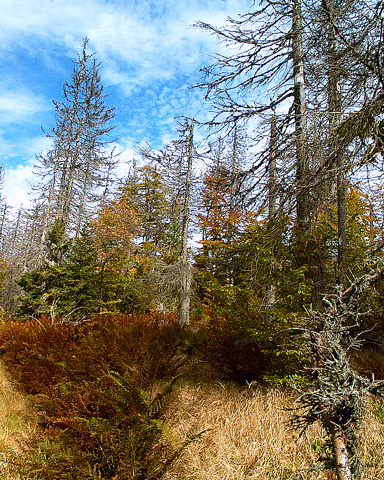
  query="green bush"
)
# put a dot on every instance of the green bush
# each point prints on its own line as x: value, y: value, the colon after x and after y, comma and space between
x: 249, y: 347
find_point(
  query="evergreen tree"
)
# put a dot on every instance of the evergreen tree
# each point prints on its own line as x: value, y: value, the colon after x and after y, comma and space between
x: 176, y: 160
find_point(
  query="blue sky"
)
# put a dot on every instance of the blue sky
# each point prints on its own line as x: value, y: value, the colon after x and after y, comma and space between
x: 150, y: 57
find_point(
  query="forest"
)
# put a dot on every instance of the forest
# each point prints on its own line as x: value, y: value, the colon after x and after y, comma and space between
x: 232, y: 277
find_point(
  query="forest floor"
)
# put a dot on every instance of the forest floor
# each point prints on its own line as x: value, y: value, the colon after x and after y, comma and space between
x: 247, y: 433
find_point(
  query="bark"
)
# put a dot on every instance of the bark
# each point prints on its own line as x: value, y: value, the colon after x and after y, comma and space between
x: 3, y: 219
x: 185, y: 293
x: 47, y: 212
x: 341, y: 229
x: 186, y: 268
x: 234, y: 174
x: 270, y: 296
x: 81, y: 211
x: 340, y: 452
x: 334, y: 108
x: 301, y: 134
x: 272, y: 174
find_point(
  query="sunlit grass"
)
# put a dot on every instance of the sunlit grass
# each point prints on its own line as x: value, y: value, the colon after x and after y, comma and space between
x: 248, y: 434
x: 250, y: 437
x: 16, y: 427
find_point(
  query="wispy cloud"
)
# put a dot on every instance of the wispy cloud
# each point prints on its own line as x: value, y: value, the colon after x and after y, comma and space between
x: 150, y: 57
x: 19, y: 105
x: 150, y: 39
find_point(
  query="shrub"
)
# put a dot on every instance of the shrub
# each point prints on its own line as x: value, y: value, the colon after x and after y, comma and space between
x: 249, y: 347
x: 231, y: 350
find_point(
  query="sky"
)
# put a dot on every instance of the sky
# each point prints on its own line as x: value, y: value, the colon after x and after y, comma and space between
x: 150, y: 55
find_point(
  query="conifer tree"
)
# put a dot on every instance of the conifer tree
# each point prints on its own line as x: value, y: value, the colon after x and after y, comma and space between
x: 265, y: 72
x: 176, y: 161
x: 72, y: 170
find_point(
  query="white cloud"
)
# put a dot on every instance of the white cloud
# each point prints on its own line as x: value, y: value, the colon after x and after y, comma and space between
x: 19, y: 178
x: 27, y: 148
x: 19, y: 105
x: 143, y: 45
x: 149, y: 39
x: 36, y: 146
x: 17, y: 185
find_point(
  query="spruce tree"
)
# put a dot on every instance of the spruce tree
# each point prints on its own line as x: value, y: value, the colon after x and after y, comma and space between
x: 72, y: 170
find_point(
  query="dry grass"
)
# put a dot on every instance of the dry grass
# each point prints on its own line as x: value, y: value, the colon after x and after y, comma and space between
x: 15, y: 427
x: 249, y: 437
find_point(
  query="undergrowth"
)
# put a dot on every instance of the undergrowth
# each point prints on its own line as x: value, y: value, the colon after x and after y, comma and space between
x: 93, y: 388
x: 109, y: 404
x: 248, y: 348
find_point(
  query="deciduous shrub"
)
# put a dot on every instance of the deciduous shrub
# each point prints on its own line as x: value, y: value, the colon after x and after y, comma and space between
x: 230, y: 350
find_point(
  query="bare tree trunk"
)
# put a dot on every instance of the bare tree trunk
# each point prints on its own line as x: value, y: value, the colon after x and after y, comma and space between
x: 74, y: 165
x: 270, y: 295
x: 334, y: 108
x: 340, y: 452
x: 47, y: 213
x: 81, y: 211
x: 16, y: 229
x: 186, y: 267
x: 108, y: 180
x: 301, y: 134
x: 234, y: 174
x: 234, y: 178
x: 3, y: 214
x: 341, y: 228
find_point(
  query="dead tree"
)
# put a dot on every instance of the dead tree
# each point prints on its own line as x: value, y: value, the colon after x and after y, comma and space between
x: 338, y: 395
x: 186, y: 276
x: 270, y: 295
x: 71, y: 172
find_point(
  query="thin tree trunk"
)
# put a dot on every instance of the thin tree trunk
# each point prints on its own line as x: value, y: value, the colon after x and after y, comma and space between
x: 82, y: 203
x: 234, y: 175
x: 270, y: 295
x: 74, y: 165
x: 47, y: 214
x: 2, y: 224
x: 334, y: 107
x: 234, y: 179
x: 340, y: 453
x: 186, y: 267
x: 301, y: 135
x: 16, y: 230
x: 341, y: 228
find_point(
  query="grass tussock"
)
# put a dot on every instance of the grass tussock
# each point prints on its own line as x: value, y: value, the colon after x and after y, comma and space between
x: 249, y: 437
